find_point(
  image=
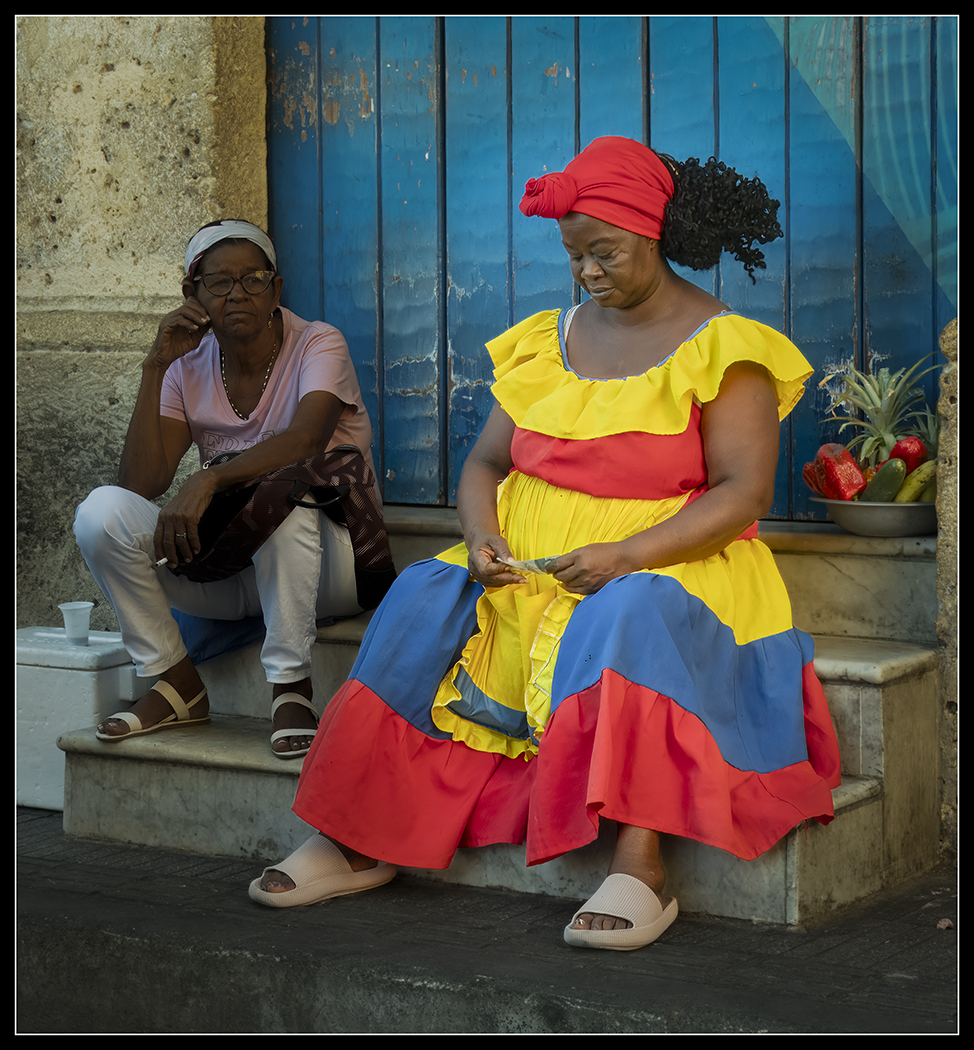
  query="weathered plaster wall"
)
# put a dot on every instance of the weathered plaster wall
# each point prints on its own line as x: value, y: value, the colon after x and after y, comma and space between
x: 132, y: 133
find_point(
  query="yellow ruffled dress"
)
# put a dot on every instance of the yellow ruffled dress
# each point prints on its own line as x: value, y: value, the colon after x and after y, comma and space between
x: 679, y: 698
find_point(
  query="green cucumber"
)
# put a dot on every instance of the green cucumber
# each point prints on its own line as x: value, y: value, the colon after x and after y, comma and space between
x: 886, y: 482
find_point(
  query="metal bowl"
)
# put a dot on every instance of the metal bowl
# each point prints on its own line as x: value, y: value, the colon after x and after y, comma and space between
x: 881, y: 519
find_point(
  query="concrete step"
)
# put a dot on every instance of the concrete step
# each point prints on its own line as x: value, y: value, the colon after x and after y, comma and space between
x: 839, y: 584
x: 857, y: 586
x: 218, y: 790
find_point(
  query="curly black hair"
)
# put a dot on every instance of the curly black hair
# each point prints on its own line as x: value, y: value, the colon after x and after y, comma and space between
x: 714, y: 209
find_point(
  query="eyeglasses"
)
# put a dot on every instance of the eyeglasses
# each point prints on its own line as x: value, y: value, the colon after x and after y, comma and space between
x: 221, y: 284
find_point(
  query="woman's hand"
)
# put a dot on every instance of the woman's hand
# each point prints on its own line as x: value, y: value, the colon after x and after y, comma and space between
x: 587, y: 569
x: 180, y: 333
x: 484, y: 551
x: 176, y: 537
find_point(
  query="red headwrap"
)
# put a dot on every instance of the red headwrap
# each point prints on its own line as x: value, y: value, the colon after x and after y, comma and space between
x: 618, y: 180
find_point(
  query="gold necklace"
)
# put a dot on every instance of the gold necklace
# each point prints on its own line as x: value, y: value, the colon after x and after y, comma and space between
x: 267, y: 376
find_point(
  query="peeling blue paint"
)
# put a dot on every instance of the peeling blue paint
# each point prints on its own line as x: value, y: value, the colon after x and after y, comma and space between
x: 399, y: 147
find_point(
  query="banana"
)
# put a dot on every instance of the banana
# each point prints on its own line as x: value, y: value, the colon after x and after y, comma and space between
x: 916, y: 482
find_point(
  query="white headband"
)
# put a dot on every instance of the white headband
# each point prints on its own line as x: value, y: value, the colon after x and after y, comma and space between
x: 224, y: 230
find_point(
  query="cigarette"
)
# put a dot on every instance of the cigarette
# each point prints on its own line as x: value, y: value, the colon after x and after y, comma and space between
x: 161, y: 562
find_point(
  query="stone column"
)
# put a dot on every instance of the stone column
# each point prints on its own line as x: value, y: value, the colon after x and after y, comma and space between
x: 132, y: 133
x: 947, y: 563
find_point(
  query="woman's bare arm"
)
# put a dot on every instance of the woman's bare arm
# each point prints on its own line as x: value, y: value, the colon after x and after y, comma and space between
x: 154, y: 444
x: 486, y: 467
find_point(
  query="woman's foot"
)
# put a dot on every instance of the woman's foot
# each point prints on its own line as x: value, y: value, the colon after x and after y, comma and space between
x: 294, y: 716
x: 317, y: 870
x: 153, y: 708
x: 274, y: 881
x: 628, y: 910
x: 636, y: 854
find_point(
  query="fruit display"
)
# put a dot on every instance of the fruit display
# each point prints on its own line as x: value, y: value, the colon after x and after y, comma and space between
x: 836, y: 476
x: 894, y: 458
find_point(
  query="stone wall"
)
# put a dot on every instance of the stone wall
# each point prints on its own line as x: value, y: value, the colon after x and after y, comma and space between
x: 947, y: 576
x: 132, y: 133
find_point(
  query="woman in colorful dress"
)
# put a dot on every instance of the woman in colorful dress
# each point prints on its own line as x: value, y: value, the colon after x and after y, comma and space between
x: 646, y: 670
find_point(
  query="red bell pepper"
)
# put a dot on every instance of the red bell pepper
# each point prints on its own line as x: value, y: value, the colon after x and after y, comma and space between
x: 834, y: 473
x: 808, y: 474
x: 911, y: 450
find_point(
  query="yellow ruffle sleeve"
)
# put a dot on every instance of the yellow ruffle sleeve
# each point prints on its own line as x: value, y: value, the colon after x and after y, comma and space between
x: 541, y: 395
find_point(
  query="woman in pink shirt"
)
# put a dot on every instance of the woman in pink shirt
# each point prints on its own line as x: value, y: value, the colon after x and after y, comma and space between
x: 230, y: 370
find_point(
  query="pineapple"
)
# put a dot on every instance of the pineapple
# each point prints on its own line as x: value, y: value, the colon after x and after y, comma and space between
x: 927, y: 429
x: 884, y: 400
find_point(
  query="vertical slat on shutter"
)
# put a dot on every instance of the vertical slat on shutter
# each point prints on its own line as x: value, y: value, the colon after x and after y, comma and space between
x: 897, y: 192
x: 477, y: 223
x: 610, y: 93
x: 751, y: 132
x: 350, y: 246
x: 294, y: 164
x: 824, y: 98
x: 542, y: 139
x: 945, y: 202
x: 682, y: 99
x: 409, y: 265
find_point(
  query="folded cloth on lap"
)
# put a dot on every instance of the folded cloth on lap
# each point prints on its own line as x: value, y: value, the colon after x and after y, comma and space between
x: 205, y: 638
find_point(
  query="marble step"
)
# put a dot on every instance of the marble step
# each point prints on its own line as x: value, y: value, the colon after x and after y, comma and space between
x: 839, y: 584
x: 218, y: 790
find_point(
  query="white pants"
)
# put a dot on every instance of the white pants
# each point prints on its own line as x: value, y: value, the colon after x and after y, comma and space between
x: 303, y: 572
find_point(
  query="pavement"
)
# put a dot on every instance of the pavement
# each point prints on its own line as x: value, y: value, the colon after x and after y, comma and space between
x: 116, y: 938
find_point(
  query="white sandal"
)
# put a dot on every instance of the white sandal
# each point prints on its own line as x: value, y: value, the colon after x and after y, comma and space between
x: 283, y: 734
x: 181, y: 715
x: 625, y: 898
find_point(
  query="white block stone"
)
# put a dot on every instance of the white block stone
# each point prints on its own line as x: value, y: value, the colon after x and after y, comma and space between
x: 61, y: 687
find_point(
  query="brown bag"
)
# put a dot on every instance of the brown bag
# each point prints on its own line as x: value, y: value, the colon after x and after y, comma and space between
x: 338, y: 482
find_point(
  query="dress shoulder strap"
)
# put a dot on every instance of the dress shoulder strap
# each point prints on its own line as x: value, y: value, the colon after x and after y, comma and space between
x: 569, y: 314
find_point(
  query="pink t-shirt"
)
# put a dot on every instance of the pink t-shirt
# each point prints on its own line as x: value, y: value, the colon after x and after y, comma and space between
x: 314, y: 356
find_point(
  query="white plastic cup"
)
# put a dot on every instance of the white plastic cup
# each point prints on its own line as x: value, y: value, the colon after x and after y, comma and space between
x: 77, y: 617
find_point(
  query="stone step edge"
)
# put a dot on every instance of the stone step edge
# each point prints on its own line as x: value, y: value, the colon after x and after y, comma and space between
x: 240, y: 744
x: 796, y: 537
x: 837, y: 658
